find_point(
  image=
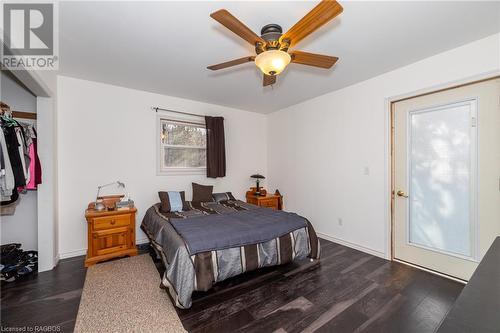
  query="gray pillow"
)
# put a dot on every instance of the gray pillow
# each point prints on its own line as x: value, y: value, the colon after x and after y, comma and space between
x: 218, y: 197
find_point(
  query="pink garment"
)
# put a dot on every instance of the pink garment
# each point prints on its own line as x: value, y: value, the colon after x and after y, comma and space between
x: 32, y: 184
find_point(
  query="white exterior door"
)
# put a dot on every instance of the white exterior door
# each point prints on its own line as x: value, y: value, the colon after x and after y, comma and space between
x: 446, y: 177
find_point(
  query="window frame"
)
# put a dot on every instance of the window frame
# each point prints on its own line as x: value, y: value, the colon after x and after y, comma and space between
x: 161, y: 170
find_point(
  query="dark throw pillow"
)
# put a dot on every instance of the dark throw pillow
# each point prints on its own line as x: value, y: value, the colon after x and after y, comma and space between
x: 202, y: 193
x: 172, y: 201
x: 219, y: 197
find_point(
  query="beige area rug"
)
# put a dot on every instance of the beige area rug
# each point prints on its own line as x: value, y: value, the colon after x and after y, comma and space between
x: 124, y: 296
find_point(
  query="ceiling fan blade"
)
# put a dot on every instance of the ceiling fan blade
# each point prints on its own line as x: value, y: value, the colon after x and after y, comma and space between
x: 231, y: 63
x: 232, y: 23
x: 313, y: 59
x: 268, y: 80
x: 325, y: 11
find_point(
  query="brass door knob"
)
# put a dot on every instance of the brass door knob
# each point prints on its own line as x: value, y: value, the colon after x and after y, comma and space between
x: 402, y: 194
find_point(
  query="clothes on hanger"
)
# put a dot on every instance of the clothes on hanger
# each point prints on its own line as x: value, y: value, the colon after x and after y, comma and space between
x: 16, y: 155
x: 6, y: 173
x: 35, y: 168
x: 23, y: 153
x: 20, y: 167
x: 35, y: 165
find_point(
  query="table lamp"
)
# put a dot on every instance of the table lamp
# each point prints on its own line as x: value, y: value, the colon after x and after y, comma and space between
x: 99, y: 205
x: 257, y: 178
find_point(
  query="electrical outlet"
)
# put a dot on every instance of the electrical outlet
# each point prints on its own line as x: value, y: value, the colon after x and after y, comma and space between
x: 340, y: 221
x: 366, y: 171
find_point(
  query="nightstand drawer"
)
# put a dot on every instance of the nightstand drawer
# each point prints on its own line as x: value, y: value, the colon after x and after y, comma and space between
x: 109, y: 222
x: 253, y: 201
x: 271, y: 203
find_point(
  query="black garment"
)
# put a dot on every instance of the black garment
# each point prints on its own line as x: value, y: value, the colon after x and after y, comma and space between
x: 15, y: 159
x: 216, y: 147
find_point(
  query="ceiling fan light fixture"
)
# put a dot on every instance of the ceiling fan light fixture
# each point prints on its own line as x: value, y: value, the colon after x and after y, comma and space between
x: 272, y: 62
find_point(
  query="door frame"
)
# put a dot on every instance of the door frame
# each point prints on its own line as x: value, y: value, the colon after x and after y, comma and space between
x: 390, y: 190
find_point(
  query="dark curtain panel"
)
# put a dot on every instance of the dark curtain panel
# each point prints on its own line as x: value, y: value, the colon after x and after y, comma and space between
x: 216, y: 147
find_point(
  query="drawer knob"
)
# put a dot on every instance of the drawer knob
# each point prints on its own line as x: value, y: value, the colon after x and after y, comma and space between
x: 113, y: 222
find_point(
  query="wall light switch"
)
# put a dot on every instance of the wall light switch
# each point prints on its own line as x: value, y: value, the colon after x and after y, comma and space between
x: 366, y: 171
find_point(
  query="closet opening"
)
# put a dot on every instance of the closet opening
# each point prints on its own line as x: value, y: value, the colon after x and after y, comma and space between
x: 20, y: 175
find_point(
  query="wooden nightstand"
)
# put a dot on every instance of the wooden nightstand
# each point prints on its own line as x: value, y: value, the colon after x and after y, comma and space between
x: 110, y: 234
x: 273, y: 201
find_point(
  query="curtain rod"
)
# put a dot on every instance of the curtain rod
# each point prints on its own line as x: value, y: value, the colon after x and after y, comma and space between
x: 155, y: 108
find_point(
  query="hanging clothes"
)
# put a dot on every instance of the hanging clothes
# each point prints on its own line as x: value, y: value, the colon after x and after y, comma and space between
x: 35, y: 167
x: 23, y: 153
x: 29, y: 133
x: 34, y: 171
x: 6, y: 174
x: 15, y: 155
x: 20, y: 167
x: 38, y: 164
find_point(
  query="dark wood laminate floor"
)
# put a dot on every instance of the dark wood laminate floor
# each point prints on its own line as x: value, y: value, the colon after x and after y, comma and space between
x: 47, y: 299
x: 347, y: 291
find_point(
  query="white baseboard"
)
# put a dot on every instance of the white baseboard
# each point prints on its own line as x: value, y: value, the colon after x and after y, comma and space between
x: 72, y: 254
x: 352, y: 245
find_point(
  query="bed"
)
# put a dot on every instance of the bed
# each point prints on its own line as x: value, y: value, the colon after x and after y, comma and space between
x: 214, y: 241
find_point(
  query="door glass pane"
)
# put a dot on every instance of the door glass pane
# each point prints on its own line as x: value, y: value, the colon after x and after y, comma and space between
x: 440, y: 158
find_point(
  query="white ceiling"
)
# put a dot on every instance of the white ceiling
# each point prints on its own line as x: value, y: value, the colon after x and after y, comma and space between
x: 164, y: 47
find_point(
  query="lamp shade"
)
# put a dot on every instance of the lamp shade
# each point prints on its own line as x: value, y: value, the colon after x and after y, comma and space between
x: 272, y: 62
x: 257, y: 176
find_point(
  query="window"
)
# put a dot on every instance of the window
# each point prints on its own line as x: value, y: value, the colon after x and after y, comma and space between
x: 182, y: 146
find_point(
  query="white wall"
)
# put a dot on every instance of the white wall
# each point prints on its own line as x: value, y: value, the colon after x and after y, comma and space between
x: 22, y: 226
x: 15, y: 94
x: 318, y: 150
x: 107, y: 133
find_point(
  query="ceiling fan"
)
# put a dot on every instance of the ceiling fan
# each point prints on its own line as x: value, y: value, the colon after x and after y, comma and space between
x: 272, y: 47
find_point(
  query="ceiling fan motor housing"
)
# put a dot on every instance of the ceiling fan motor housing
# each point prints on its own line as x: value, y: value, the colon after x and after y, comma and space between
x: 271, y: 33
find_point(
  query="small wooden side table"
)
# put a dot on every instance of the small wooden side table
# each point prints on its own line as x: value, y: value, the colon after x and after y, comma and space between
x: 273, y: 201
x: 110, y: 234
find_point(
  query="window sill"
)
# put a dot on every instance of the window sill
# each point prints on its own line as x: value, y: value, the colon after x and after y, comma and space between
x: 182, y: 171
